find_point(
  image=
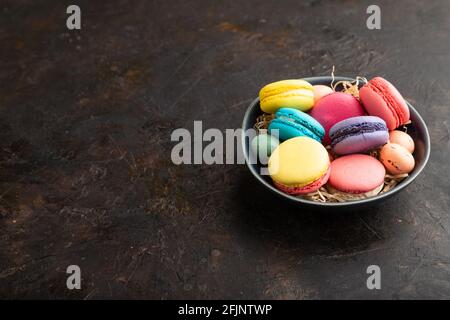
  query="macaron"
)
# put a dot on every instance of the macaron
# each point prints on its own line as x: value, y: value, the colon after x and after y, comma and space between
x: 396, y: 159
x: 333, y: 108
x: 321, y: 91
x: 380, y: 98
x: 292, y: 123
x: 292, y: 93
x: 299, y: 166
x: 403, y: 139
x: 356, y: 176
x: 262, y: 146
x: 358, y: 134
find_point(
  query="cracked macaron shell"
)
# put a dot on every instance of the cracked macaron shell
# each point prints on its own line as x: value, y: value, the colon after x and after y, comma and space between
x: 292, y: 123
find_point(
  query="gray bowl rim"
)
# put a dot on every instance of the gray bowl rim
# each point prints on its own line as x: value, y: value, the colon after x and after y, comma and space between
x: 377, y: 198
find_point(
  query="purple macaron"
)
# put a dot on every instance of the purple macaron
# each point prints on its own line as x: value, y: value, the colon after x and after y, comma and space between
x: 358, y: 134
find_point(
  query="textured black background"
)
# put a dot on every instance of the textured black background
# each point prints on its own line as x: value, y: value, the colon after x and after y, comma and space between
x: 85, y: 170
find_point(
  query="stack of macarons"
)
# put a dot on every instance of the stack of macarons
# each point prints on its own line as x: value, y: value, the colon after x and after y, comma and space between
x: 318, y: 137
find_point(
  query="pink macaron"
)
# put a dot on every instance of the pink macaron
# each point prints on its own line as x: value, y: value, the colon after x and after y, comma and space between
x: 356, y: 176
x: 333, y: 108
x: 380, y: 98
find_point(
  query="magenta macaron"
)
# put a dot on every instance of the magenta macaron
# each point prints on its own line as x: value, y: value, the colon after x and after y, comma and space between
x: 333, y: 108
x: 358, y: 135
x: 380, y: 98
x: 356, y: 176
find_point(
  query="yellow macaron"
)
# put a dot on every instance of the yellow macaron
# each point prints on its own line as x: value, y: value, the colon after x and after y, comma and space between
x: 299, y: 165
x: 293, y: 93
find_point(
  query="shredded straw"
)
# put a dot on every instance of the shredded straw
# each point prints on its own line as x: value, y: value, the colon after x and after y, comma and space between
x: 350, y: 87
x: 262, y: 122
x: 323, y: 195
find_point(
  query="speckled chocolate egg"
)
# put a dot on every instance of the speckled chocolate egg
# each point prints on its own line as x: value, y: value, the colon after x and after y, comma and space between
x: 396, y: 159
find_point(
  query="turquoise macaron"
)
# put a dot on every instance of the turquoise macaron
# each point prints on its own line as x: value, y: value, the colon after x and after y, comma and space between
x: 292, y: 123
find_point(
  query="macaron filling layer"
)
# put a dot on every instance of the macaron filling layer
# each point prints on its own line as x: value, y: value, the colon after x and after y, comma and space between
x: 333, y: 108
x: 278, y: 124
x: 292, y: 123
x: 307, y: 94
x: 361, y: 128
x: 317, y: 129
x: 278, y: 87
x: 311, y: 187
x: 293, y: 93
x: 354, y: 195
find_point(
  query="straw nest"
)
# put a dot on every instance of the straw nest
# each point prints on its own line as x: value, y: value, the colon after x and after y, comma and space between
x: 325, y: 194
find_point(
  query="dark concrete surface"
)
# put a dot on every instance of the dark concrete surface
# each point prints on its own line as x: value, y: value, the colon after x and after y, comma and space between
x: 85, y: 170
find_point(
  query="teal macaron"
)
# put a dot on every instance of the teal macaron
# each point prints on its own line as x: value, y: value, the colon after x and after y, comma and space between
x: 292, y: 123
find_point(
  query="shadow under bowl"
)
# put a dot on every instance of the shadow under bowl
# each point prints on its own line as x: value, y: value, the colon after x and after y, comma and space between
x: 417, y: 130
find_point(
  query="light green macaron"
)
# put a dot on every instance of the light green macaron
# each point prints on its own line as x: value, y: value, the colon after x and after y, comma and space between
x: 263, y: 145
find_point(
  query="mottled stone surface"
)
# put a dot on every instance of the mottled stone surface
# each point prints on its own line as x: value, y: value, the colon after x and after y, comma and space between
x: 85, y: 170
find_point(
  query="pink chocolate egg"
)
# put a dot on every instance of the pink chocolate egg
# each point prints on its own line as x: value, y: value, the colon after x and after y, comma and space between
x: 403, y: 139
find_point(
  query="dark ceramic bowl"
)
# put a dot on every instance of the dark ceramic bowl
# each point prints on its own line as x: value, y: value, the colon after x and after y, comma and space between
x: 417, y: 129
